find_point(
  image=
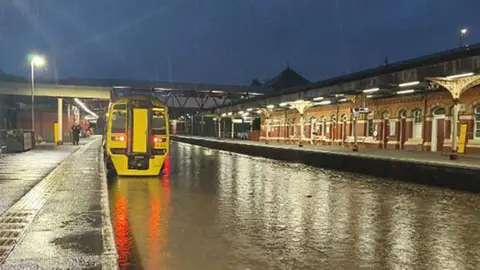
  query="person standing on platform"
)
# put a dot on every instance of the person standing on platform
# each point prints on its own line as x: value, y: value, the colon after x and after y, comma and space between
x: 76, y: 133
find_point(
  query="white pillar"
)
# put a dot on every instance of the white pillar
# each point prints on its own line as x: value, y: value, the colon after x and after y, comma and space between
x: 301, y: 130
x: 233, y: 129
x: 355, y: 138
x: 69, y: 116
x: 60, y: 120
x: 219, y: 128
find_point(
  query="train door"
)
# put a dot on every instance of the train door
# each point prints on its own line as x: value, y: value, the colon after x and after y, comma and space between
x: 140, y: 130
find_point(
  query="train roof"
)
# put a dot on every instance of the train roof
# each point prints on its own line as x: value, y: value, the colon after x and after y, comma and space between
x: 155, y: 101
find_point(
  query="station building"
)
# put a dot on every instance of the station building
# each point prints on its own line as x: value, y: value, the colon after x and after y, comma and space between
x: 401, y: 108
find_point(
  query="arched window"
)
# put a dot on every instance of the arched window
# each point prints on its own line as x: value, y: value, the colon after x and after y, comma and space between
x: 324, y: 126
x: 417, y: 124
x: 370, y: 125
x: 313, y: 126
x: 477, y: 122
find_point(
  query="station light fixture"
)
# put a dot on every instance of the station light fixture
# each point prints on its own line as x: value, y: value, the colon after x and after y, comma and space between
x: 259, y: 111
x: 317, y: 98
x: 283, y: 104
x: 460, y: 75
x: 229, y: 114
x: 408, y: 84
x: 224, y: 114
x: 342, y: 100
x: 84, y: 107
x: 38, y: 61
x: 325, y: 102
x: 271, y: 106
x: 464, y: 31
x: 405, y: 91
x: 369, y: 96
x: 240, y: 112
x: 292, y: 107
x: 371, y: 90
x: 299, y: 101
x: 249, y: 109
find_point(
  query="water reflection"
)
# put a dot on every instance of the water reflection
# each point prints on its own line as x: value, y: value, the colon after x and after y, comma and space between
x: 141, y: 220
x: 218, y: 210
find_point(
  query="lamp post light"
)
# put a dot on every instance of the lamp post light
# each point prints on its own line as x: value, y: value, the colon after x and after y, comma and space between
x: 35, y: 61
x: 463, y: 32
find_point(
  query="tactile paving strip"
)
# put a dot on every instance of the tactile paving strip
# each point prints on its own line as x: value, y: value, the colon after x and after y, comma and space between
x: 16, y: 220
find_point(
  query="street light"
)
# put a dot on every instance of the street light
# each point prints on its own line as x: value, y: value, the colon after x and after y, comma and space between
x: 463, y: 32
x: 35, y: 61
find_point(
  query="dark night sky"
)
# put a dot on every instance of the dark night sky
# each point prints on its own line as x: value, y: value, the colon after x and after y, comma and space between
x: 226, y: 41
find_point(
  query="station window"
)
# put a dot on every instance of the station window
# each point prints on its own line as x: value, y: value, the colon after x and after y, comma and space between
x: 417, y: 124
x: 370, y: 127
x: 477, y: 122
x: 119, y: 121
x: 324, y: 127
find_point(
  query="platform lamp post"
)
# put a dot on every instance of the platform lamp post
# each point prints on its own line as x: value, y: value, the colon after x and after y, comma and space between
x: 267, y: 113
x: 353, y: 99
x: 463, y: 32
x: 35, y: 61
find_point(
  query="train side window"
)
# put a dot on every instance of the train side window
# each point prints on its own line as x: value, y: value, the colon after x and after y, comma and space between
x: 158, y: 124
x: 120, y: 107
x: 119, y: 122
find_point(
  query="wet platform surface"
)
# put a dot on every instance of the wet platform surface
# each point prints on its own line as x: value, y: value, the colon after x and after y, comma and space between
x: 410, y: 156
x: 19, y: 172
x: 218, y: 210
x: 70, y: 226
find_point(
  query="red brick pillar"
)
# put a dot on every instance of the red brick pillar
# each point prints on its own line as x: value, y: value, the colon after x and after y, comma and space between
x: 409, y: 128
x: 361, y: 128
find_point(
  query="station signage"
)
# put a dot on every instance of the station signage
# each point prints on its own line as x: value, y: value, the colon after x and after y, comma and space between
x: 357, y: 111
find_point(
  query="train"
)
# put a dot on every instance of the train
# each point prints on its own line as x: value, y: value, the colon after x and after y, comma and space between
x: 136, y: 137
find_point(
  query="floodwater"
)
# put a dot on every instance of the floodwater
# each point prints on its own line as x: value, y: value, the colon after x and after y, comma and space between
x: 218, y: 210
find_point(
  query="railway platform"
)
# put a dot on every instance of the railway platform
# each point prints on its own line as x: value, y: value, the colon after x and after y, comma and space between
x: 55, y: 214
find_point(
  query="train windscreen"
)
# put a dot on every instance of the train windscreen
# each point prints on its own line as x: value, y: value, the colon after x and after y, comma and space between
x: 119, y: 122
x: 158, y: 123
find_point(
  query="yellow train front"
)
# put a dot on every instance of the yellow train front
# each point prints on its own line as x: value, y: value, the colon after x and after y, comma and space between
x: 137, y: 135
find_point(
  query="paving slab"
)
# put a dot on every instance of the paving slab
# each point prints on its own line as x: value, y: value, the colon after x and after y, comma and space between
x: 19, y: 172
x: 72, y: 228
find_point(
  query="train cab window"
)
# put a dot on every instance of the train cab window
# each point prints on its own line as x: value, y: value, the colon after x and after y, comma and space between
x: 120, y: 107
x: 119, y: 122
x: 158, y: 123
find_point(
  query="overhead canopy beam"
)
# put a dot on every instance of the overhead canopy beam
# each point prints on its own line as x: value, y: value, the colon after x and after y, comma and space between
x: 52, y: 90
